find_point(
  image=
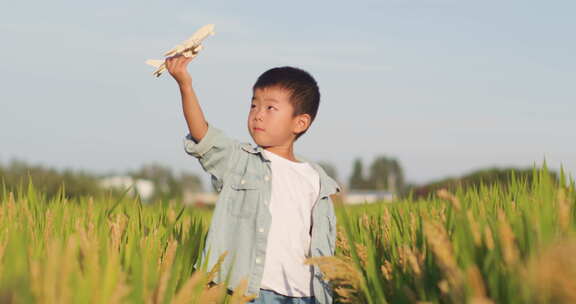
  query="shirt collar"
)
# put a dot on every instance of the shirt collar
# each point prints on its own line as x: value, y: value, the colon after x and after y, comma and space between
x: 328, y: 185
x: 254, y: 150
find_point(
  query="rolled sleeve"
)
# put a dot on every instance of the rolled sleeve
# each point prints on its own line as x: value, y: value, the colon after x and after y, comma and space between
x: 206, y: 143
x: 213, y: 151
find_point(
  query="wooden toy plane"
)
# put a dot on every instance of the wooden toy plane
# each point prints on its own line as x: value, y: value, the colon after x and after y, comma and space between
x: 189, y: 48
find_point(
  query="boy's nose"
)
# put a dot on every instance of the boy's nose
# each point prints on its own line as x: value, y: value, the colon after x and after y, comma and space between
x: 258, y: 116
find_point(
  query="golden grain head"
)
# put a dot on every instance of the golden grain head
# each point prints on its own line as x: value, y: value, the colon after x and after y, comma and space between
x: 476, y: 282
x: 564, y: 210
x: 340, y: 272
x: 488, y: 238
x: 186, y: 293
x: 551, y: 272
x: 474, y: 228
x: 216, y: 268
x: 446, y: 195
x: 362, y: 252
x: 507, y: 240
x: 386, y: 269
x: 239, y: 294
x: 413, y: 261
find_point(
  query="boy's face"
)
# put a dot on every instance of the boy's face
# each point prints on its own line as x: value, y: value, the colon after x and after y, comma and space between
x: 270, y: 120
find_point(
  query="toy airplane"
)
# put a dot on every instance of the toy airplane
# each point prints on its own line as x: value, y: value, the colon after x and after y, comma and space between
x: 189, y: 48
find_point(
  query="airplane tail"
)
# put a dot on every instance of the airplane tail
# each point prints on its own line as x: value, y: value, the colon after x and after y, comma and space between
x: 158, y: 64
x: 154, y: 62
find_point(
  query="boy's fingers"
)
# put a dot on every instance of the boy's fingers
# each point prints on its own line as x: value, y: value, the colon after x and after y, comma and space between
x: 183, y: 61
x: 169, y: 63
x: 177, y: 62
x: 174, y: 60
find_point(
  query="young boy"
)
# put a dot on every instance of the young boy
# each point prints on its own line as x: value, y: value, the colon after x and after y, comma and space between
x: 274, y: 207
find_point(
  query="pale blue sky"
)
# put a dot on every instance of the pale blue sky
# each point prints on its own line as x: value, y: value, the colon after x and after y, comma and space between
x: 445, y: 86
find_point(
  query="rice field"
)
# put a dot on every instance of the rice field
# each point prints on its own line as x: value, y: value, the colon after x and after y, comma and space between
x: 491, y: 244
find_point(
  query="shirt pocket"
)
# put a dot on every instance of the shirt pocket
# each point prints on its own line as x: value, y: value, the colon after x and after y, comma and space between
x: 244, y: 196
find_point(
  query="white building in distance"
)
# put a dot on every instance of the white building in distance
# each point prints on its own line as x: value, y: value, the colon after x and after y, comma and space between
x: 355, y: 197
x: 144, y: 188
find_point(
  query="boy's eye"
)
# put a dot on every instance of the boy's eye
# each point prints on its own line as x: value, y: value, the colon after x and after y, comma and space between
x: 271, y: 107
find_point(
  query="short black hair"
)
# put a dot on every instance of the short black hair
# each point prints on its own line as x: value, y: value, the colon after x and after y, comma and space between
x: 304, y: 92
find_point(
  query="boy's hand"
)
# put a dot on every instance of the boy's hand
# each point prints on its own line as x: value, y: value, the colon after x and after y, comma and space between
x: 177, y: 66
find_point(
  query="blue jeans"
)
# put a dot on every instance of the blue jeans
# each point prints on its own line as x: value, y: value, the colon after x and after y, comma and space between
x: 271, y: 297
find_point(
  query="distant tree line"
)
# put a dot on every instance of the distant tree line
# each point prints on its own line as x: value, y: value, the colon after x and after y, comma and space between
x: 17, y: 175
x: 486, y: 177
x: 384, y: 173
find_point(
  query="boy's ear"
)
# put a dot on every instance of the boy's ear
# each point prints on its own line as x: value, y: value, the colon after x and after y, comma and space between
x: 302, y: 123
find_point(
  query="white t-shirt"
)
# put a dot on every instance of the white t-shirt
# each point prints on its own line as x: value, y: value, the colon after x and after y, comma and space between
x: 295, y: 189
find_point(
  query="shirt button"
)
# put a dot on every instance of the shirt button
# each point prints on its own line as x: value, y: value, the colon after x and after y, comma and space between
x: 261, y: 230
x: 242, y: 181
x: 266, y: 178
x: 257, y: 260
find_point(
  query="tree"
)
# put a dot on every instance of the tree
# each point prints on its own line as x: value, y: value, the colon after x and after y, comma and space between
x: 357, y: 180
x: 191, y: 182
x: 386, y: 174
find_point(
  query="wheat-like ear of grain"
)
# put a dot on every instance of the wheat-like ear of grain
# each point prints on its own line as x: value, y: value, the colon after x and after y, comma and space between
x: 238, y: 296
x: 165, y: 267
x: 507, y: 240
x: 564, y: 211
x: 344, y: 277
x: 551, y: 273
x: 198, y: 288
x: 446, y: 195
x: 476, y: 282
x: 215, y: 293
x: 437, y: 238
x: 186, y: 292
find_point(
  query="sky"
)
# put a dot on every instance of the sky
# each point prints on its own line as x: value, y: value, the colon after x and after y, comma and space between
x: 445, y: 87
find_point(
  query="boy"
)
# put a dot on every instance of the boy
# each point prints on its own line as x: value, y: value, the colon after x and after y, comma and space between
x: 274, y: 207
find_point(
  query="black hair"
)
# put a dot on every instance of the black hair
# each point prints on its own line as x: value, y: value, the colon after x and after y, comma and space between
x: 304, y: 92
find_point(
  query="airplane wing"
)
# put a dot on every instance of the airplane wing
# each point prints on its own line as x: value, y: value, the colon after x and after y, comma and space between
x: 194, y: 40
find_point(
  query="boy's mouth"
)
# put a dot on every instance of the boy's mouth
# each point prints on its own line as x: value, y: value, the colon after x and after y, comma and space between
x: 258, y: 129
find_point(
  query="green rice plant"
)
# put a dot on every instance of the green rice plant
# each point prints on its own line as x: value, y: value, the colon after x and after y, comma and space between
x: 479, y: 245
x: 102, y: 251
x: 488, y: 244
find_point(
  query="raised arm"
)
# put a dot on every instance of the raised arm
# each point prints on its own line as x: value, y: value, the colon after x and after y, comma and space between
x: 209, y: 145
x: 178, y: 67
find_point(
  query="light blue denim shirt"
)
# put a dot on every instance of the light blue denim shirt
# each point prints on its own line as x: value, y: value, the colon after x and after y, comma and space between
x: 240, y: 224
